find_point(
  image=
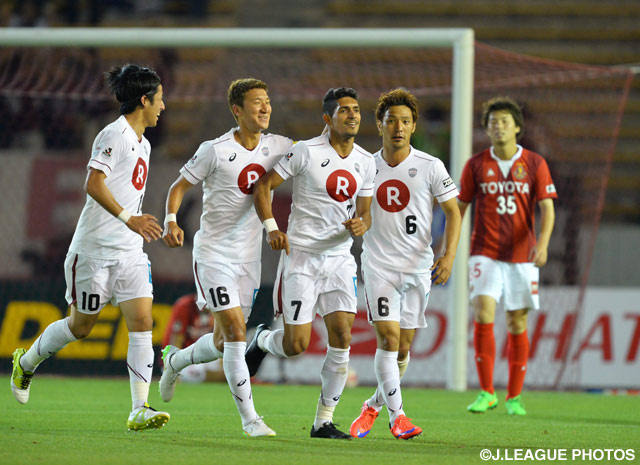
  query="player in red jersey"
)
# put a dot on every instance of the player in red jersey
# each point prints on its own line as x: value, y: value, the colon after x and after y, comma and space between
x: 507, y: 182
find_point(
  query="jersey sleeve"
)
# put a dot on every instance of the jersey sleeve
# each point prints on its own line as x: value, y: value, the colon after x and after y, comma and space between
x: 442, y: 186
x: 107, y: 149
x: 293, y: 163
x: 467, y: 184
x: 202, y: 164
x: 368, y: 184
x: 545, y: 189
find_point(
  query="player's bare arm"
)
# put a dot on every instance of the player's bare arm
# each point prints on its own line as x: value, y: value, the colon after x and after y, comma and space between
x: 462, y: 206
x: 145, y: 225
x: 442, y: 266
x: 547, y: 219
x: 173, y: 234
x: 277, y: 239
x: 361, y: 223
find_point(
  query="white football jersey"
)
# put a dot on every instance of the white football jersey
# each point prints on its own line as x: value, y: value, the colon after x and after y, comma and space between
x: 325, y: 187
x: 124, y: 159
x: 230, y: 230
x: 402, y: 211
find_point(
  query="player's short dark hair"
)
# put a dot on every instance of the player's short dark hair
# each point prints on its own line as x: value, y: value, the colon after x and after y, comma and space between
x: 239, y: 87
x: 396, y: 97
x: 330, y: 100
x: 503, y: 103
x: 129, y: 83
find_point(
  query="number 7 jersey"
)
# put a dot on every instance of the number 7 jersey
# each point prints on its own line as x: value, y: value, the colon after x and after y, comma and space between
x: 402, y: 212
x: 504, y: 220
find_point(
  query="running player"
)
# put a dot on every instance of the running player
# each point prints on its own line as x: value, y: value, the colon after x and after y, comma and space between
x: 507, y: 182
x: 227, y: 248
x: 397, y: 261
x: 105, y: 260
x: 332, y: 189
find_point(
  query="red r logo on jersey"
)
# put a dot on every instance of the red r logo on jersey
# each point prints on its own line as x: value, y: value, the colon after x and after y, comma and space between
x: 341, y: 185
x: 393, y: 196
x: 249, y: 176
x: 139, y: 176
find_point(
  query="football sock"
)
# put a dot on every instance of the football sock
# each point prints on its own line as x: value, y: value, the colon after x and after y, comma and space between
x: 387, y: 374
x: 517, y: 354
x: 271, y: 341
x: 53, y: 339
x: 140, y: 366
x: 403, y: 364
x: 485, y: 347
x: 333, y: 375
x: 377, y: 400
x: 201, y: 351
x: 237, y: 373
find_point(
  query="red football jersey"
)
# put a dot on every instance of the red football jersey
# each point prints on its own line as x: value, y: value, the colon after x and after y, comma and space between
x: 504, y: 220
x: 187, y: 323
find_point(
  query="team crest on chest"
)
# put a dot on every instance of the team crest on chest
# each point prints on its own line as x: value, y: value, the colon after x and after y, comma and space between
x: 265, y: 151
x: 519, y: 172
x: 232, y: 157
x: 356, y: 167
x: 413, y: 172
x: 490, y: 172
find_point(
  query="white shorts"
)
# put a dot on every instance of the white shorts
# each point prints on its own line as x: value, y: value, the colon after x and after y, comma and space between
x: 221, y: 286
x: 395, y: 296
x: 517, y: 283
x: 307, y: 283
x: 92, y: 283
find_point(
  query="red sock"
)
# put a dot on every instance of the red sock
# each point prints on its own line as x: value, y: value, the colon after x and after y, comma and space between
x: 517, y: 354
x: 485, y: 346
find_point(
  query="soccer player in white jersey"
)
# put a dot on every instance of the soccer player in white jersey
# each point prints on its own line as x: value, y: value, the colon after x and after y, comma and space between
x: 226, y: 249
x: 398, y: 264
x: 105, y: 261
x: 332, y: 189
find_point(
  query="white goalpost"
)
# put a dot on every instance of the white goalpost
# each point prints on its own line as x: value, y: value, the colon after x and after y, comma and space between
x: 460, y: 40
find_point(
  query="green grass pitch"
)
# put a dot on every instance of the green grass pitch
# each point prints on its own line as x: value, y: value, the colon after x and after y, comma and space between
x: 83, y: 421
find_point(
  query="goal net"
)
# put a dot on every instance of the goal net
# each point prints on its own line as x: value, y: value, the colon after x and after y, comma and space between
x: 54, y: 103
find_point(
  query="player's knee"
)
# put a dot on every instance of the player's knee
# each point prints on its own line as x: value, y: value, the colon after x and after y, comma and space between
x: 403, y: 353
x: 296, y: 347
x: 341, y: 339
x: 516, y: 326
x: 141, y: 323
x: 80, y: 331
x: 390, y: 342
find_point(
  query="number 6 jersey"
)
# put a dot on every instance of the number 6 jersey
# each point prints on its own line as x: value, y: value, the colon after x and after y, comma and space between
x: 506, y: 193
x: 402, y: 211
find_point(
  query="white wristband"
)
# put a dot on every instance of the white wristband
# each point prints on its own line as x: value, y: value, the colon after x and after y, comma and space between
x: 169, y: 218
x: 124, y: 216
x: 270, y: 225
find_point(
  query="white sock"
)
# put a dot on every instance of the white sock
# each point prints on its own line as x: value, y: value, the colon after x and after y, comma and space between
x: 201, y: 351
x: 333, y: 375
x: 388, y: 376
x: 237, y: 373
x: 271, y: 341
x: 53, y: 339
x: 377, y: 400
x: 140, y: 365
x: 402, y: 365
